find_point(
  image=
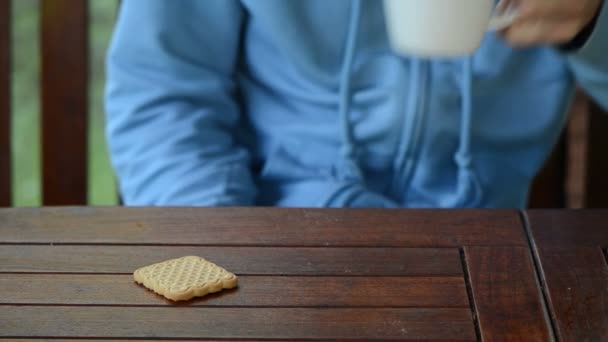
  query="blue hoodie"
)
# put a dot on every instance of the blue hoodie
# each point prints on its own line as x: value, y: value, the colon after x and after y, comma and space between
x: 302, y: 103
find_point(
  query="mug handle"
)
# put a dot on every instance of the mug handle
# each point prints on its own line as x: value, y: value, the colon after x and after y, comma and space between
x: 501, y: 21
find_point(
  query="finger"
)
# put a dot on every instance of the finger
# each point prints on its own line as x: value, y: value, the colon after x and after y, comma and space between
x: 554, y: 9
x: 524, y: 34
x: 539, y: 32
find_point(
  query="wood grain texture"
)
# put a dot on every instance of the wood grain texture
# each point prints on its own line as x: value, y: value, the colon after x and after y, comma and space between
x: 5, y: 104
x: 507, y: 298
x: 438, y: 292
x: 287, y: 323
x: 577, y: 283
x: 569, y: 228
x: 263, y: 227
x: 64, y: 100
x: 240, y: 260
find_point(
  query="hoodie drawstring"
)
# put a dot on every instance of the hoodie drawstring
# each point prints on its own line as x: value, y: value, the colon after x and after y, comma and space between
x: 350, y: 170
x: 468, y: 190
x: 347, y: 170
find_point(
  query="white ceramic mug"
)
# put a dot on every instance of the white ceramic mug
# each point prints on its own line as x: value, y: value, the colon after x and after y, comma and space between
x: 442, y: 28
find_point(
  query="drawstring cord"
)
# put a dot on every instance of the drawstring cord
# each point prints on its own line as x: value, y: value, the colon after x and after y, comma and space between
x: 347, y: 168
x: 350, y: 171
x: 468, y: 191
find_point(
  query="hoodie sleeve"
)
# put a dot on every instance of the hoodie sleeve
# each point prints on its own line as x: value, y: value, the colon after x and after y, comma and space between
x: 170, y: 102
x: 590, y: 63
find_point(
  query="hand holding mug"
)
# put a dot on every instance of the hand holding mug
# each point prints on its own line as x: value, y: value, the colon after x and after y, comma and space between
x: 542, y: 22
x: 443, y: 28
x: 456, y: 28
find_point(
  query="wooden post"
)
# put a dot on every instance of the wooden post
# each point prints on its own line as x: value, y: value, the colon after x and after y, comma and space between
x: 596, y: 181
x: 64, y: 92
x: 5, y: 103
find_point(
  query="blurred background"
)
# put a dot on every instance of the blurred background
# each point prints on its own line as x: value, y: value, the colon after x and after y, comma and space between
x: 26, y: 104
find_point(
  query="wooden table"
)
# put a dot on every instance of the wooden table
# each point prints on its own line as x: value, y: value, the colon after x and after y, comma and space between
x: 308, y: 274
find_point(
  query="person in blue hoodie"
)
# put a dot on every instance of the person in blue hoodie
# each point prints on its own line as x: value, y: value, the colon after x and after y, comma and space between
x: 302, y: 103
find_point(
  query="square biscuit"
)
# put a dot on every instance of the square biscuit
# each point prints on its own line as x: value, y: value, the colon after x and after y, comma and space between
x: 185, y: 278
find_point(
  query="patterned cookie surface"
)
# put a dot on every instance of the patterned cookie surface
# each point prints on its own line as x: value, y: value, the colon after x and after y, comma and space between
x: 185, y: 278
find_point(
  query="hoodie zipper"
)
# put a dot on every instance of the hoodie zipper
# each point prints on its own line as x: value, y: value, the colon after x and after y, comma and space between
x: 409, y: 146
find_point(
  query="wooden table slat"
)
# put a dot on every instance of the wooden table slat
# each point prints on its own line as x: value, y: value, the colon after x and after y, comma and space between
x: 240, y: 260
x: 287, y: 323
x: 568, y: 247
x: 252, y: 226
x: 441, y: 292
x: 577, y: 283
x: 570, y: 227
x: 508, y: 300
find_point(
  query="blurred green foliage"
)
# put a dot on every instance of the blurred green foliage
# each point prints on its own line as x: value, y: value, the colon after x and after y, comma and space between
x: 26, y: 107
